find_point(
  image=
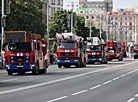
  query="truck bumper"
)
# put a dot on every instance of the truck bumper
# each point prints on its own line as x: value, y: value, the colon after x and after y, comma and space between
x: 90, y: 60
x: 67, y: 62
x: 25, y: 67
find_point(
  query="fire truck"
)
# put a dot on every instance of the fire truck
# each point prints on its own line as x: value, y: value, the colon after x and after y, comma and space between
x: 114, y: 51
x: 124, y: 49
x: 135, y: 51
x: 25, y: 52
x: 96, y: 50
x: 71, y: 50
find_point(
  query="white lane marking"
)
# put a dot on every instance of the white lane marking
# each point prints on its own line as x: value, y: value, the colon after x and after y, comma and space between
x: 50, y: 82
x: 132, y: 99
x: 107, y: 82
x: 123, y: 75
x: 116, y: 78
x: 10, y: 80
x: 57, y: 99
x: 132, y: 71
x: 79, y: 92
x: 95, y: 87
x: 58, y: 71
x: 30, y: 76
x: 136, y: 95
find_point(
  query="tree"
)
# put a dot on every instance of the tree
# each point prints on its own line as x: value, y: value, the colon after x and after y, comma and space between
x: 26, y: 15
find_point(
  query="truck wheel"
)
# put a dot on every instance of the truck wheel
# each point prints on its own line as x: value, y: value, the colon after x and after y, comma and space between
x: 78, y: 64
x: 134, y: 57
x: 9, y: 73
x: 59, y: 66
x: 36, y: 70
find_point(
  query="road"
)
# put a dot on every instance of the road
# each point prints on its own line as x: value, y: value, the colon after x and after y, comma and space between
x: 112, y: 82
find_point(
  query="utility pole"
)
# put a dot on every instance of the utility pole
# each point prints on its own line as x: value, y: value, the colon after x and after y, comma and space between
x: 100, y: 25
x: 2, y: 26
x: 72, y: 17
x: 90, y: 23
x: 47, y: 25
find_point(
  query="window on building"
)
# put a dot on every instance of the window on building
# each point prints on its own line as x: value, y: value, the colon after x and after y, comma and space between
x: 121, y: 18
x: 61, y: 8
x: 58, y: 8
x: 130, y: 28
x: 52, y: 2
x: 61, y: 2
x: 126, y: 32
x: 125, y: 18
x: 130, y: 18
x: 125, y: 23
x: 92, y: 17
x: 87, y: 17
x: 121, y: 23
x: 52, y: 9
x: 112, y: 18
x: 116, y: 18
x: 130, y: 23
x: 58, y: 2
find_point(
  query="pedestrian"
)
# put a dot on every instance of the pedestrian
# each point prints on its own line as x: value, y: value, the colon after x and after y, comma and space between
x: 51, y: 57
x: 0, y: 61
x: 55, y: 58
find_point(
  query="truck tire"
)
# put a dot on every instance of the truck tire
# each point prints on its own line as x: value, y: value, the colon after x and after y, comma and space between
x: 10, y: 73
x: 78, y: 64
x: 134, y: 57
x: 59, y: 66
x: 36, y: 70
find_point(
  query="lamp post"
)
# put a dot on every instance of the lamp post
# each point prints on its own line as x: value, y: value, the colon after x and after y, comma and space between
x: 114, y: 23
x: 47, y: 25
x: 72, y: 5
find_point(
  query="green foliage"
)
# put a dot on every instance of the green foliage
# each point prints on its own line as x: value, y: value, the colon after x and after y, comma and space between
x: 26, y: 15
x: 110, y: 37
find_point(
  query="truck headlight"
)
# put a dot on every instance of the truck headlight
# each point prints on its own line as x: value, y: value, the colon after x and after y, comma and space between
x: 58, y: 60
x: 7, y: 65
x: 100, y: 59
x: 32, y: 65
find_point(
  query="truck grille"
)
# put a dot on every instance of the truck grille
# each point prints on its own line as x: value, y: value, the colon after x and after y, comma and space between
x: 93, y: 56
x: 67, y: 54
x: 20, y: 59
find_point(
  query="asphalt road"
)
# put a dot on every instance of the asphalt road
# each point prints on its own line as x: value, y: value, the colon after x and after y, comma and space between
x: 112, y: 82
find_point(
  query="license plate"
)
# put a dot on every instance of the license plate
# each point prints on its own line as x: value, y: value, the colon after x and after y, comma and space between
x: 67, y: 61
x: 93, y: 59
x: 19, y: 66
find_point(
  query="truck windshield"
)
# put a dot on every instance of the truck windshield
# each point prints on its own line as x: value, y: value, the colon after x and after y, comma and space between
x: 135, y: 46
x: 115, y: 49
x: 94, y: 48
x: 16, y: 47
x: 67, y: 45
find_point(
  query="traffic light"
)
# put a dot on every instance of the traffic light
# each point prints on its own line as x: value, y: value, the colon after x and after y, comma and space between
x: 3, y: 22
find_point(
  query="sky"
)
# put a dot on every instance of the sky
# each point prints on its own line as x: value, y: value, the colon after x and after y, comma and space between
x: 123, y: 4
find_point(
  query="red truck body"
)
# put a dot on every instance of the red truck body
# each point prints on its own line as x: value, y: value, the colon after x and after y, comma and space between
x: 25, y: 52
x: 71, y: 52
x: 114, y: 50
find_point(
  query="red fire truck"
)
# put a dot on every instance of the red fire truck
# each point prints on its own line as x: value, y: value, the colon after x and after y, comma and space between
x: 124, y: 49
x: 96, y: 50
x: 135, y: 51
x: 115, y: 51
x: 71, y: 50
x: 25, y: 52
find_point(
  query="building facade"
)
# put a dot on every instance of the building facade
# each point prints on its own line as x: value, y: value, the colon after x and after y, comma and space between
x: 105, y: 5
x: 55, y: 5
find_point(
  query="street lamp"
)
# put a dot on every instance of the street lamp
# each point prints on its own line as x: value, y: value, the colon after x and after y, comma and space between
x: 72, y: 5
x: 114, y: 22
x: 107, y: 17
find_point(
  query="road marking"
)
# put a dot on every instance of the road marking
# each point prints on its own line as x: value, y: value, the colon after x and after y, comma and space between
x: 50, y: 82
x: 116, y: 78
x: 10, y: 80
x: 132, y: 71
x: 107, y: 82
x: 136, y: 95
x: 30, y: 76
x: 79, y: 92
x: 123, y: 75
x: 57, y: 99
x: 95, y: 87
x: 132, y: 99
